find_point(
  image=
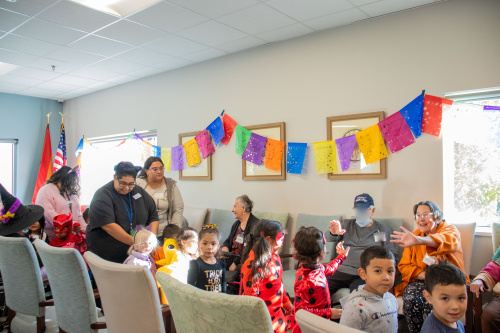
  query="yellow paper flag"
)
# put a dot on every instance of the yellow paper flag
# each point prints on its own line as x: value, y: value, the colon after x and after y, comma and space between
x: 166, y: 157
x: 325, y: 154
x: 371, y: 143
x: 192, y: 153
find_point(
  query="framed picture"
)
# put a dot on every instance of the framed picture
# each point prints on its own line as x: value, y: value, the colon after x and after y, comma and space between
x: 342, y: 126
x: 252, y: 171
x: 202, y: 171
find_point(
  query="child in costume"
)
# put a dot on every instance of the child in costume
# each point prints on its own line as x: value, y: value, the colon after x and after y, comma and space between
x: 163, y: 255
x: 178, y: 266
x: 64, y: 236
x: 208, y: 272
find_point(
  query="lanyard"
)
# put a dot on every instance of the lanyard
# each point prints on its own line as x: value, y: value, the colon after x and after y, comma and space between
x: 129, y: 213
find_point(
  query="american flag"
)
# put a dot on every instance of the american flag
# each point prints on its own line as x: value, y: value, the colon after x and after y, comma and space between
x: 61, y: 157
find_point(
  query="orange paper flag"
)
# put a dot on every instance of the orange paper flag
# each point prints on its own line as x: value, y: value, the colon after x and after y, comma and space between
x: 274, y: 154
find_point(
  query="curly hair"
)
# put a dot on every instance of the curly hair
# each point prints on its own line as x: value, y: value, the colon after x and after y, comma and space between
x: 309, y: 244
x: 66, y: 179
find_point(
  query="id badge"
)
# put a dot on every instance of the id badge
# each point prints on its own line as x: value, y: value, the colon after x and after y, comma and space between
x: 137, y: 196
x: 158, y: 195
x: 379, y: 237
x: 239, y: 239
x: 428, y: 260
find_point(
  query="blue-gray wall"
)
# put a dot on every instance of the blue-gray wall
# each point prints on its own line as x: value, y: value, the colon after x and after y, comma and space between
x: 23, y: 118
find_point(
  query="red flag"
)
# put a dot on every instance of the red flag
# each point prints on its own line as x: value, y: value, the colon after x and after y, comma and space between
x: 433, y: 114
x: 229, y: 125
x: 45, y: 170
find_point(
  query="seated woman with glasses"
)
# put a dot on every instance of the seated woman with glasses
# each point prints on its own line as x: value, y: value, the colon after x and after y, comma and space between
x: 165, y: 193
x: 433, y: 239
x: 116, y: 210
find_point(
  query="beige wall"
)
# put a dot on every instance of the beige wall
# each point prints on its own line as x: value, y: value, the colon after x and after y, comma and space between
x: 379, y: 64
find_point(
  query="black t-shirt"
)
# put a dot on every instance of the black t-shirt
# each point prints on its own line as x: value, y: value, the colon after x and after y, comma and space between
x: 109, y: 206
x: 208, y: 277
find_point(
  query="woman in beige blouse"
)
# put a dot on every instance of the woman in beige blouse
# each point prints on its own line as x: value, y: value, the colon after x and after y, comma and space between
x: 165, y: 193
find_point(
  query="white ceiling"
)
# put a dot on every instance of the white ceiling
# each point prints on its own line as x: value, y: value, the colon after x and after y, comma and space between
x: 92, y: 50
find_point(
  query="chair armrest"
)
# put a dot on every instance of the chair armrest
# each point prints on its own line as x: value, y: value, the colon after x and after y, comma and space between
x: 165, y: 310
x: 44, y: 304
x: 100, y: 325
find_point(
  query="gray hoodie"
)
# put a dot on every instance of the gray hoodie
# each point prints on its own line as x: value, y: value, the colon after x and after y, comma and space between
x: 368, y: 312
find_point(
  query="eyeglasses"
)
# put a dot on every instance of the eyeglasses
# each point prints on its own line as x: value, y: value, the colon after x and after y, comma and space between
x: 122, y: 184
x: 157, y: 169
x: 426, y: 215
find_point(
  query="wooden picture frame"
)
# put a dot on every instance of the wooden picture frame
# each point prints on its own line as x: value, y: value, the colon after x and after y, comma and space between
x: 251, y: 171
x: 202, y: 171
x: 342, y: 126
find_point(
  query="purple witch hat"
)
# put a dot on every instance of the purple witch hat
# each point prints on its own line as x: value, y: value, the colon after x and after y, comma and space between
x: 14, y: 216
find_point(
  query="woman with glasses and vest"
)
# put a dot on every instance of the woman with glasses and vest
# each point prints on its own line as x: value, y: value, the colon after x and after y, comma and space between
x: 164, y: 192
x: 116, y: 211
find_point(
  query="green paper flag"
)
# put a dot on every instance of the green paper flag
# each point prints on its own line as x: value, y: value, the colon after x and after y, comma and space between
x: 242, y: 137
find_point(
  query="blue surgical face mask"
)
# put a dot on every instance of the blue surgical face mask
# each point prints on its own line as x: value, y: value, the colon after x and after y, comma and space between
x: 362, y: 218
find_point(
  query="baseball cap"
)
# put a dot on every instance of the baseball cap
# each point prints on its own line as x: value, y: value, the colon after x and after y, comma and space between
x: 363, y: 201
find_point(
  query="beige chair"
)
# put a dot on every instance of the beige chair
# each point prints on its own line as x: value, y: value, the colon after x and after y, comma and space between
x: 129, y: 296
x: 196, y: 310
x: 311, y: 323
x: 195, y: 217
x: 24, y: 293
x: 71, y: 288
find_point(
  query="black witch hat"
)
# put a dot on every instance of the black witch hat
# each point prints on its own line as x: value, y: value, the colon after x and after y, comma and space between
x: 14, y: 216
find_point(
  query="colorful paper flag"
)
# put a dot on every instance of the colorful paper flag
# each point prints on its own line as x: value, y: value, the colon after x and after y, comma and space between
x: 295, y: 157
x: 192, y: 154
x: 433, y: 114
x: 254, y: 151
x: 216, y: 130
x: 205, y: 144
x: 166, y: 158
x: 177, y: 158
x: 396, y: 132
x: 274, y: 154
x: 371, y: 144
x: 325, y: 156
x: 229, y: 126
x: 413, y: 113
x: 242, y: 137
x: 345, y: 147
x: 156, y: 151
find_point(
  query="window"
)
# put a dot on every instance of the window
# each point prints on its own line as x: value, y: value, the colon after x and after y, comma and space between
x: 101, y: 154
x: 7, y: 167
x: 471, y: 158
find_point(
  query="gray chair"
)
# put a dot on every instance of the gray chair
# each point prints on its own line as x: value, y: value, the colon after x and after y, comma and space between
x: 224, y: 220
x: 311, y: 323
x: 29, y: 311
x: 129, y: 296
x: 71, y: 288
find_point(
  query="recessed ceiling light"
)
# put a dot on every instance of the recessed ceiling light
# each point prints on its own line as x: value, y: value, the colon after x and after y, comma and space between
x: 5, y: 68
x: 120, y: 8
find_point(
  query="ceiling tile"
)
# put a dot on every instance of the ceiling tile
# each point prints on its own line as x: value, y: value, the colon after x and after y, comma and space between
x: 143, y: 56
x: 57, y: 86
x: 204, y: 55
x: 100, y: 45
x: 362, y: 2
x: 11, y: 88
x: 46, y: 65
x: 39, y: 92
x: 116, y: 66
x: 122, y: 79
x: 73, y: 15
x: 130, y: 32
x: 66, y: 96
x: 256, y: 19
x: 27, y: 7
x: 83, y: 91
x: 102, y: 85
x: 173, y: 64
x: 2, y: 33
x: 390, y: 6
x: 175, y: 45
x: 48, y: 32
x: 27, y: 45
x: 14, y: 79
x: 34, y: 73
x: 147, y: 71
x: 337, y: 19
x: 215, y: 8
x: 212, y: 33
x: 94, y: 73
x: 15, y: 58
x: 291, y: 31
x: 74, y: 56
x: 167, y: 17
x: 302, y: 10
x: 241, y: 44
x: 10, y: 20
x: 74, y: 80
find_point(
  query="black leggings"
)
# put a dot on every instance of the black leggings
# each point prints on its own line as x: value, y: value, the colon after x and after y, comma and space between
x: 415, y: 306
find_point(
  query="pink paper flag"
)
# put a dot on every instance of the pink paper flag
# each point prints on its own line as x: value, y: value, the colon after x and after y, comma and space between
x: 205, y: 144
x: 396, y: 132
x: 345, y: 147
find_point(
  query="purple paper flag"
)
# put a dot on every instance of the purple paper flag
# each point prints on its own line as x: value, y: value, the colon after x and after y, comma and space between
x: 204, y: 143
x: 177, y: 158
x: 396, y: 132
x: 345, y: 147
x: 254, y: 151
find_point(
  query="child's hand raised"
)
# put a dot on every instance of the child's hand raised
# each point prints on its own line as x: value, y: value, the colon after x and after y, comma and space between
x: 341, y: 250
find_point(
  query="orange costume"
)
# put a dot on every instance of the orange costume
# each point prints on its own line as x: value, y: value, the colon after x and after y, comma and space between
x: 450, y: 248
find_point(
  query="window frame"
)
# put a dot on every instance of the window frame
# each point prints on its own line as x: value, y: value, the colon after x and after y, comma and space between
x: 15, y: 143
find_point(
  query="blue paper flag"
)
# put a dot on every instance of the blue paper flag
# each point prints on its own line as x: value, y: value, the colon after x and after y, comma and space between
x: 216, y: 130
x: 156, y: 151
x: 79, y: 149
x: 295, y: 157
x: 413, y: 114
